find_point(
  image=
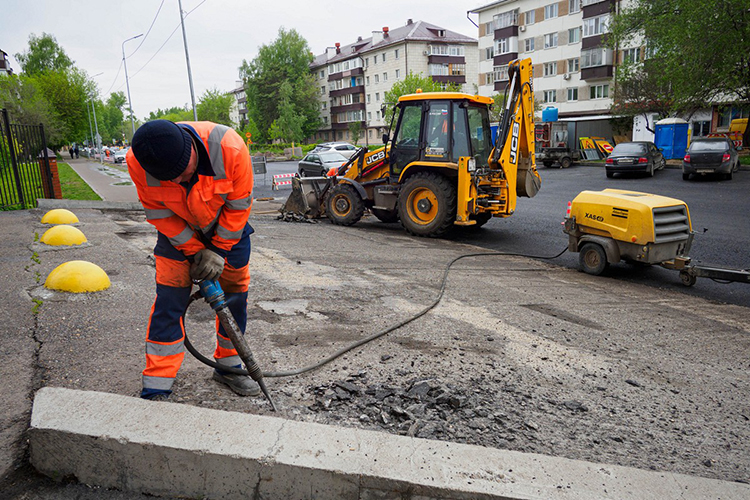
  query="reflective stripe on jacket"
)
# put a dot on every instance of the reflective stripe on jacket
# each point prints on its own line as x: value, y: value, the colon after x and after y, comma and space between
x: 217, y: 206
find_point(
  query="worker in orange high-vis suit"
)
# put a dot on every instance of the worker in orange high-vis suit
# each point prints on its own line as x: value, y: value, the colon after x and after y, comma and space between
x: 195, y: 182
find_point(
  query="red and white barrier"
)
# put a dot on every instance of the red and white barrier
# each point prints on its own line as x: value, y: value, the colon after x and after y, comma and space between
x: 281, y: 180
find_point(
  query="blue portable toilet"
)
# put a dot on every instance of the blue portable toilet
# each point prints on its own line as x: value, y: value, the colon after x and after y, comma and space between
x: 549, y: 114
x: 672, y: 137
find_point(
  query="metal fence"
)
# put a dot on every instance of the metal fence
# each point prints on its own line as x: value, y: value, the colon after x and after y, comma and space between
x: 25, y: 173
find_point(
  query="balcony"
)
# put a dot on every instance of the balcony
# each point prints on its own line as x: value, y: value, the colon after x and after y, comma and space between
x: 504, y: 59
x: 597, y: 72
x: 345, y: 125
x: 359, y: 89
x: 346, y: 74
x: 591, y: 42
x: 448, y: 78
x: 347, y: 107
x: 441, y: 59
x: 506, y: 32
x: 598, y: 9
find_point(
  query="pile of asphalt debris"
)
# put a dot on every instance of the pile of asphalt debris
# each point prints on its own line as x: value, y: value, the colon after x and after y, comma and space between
x: 429, y: 408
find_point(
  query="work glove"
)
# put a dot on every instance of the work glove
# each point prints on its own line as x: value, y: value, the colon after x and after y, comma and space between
x: 207, y: 265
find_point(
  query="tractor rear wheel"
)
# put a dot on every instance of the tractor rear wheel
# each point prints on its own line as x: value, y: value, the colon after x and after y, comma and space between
x: 427, y: 205
x: 593, y: 259
x: 344, y: 205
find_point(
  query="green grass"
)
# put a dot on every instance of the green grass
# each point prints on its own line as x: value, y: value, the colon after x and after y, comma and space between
x: 745, y: 160
x: 73, y: 187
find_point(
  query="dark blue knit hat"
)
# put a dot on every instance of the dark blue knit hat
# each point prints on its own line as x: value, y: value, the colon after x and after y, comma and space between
x: 162, y: 148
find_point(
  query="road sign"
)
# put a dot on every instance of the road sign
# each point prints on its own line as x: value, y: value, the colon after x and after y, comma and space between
x: 248, y: 135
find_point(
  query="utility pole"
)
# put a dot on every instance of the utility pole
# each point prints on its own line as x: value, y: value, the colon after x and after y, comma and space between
x: 127, y: 83
x: 98, y: 137
x: 187, y: 58
x: 89, y: 115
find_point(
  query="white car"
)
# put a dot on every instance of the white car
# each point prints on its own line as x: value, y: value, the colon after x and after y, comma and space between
x: 119, y: 156
x: 343, y: 148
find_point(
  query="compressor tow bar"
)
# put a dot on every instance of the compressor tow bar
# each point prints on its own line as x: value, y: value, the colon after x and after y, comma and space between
x: 213, y: 294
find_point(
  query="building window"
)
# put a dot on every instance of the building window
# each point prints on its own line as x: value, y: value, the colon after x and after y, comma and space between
x: 573, y: 65
x: 439, y: 70
x: 631, y: 55
x: 385, y: 77
x: 374, y: 59
x: 322, y: 90
x: 367, y: 79
x: 550, y: 96
x: 383, y: 57
x: 323, y: 105
x: 550, y: 11
x: 502, y: 46
x: 599, y: 91
x: 584, y: 3
x: 574, y: 6
x: 325, y: 120
x: 446, y: 50
x: 596, y: 25
x: 593, y: 57
x: 369, y: 115
x: 367, y: 61
x: 573, y: 94
x: 574, y: 35
x: 501, y: 73
x: 530, y: 16
x: 529, y: 42
x: 377, y: 96
x: 489, y: 78
x: 457, y: 69
x: 377, y: 78
x: 368, y: 98
x: 701, y: 129
x: 550, y: 40
x: 398, y: 74
x: 550, y: 69
x: 322, y: 73
x: 489, y: 27
x: 489, y: 52
x: 395, y: 54
x: 506, y: 19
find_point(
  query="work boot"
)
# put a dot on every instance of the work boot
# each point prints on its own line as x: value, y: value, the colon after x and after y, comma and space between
x: 241, y: 384
x: 160, y: 397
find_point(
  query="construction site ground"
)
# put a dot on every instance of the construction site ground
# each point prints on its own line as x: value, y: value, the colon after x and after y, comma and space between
x: 520, y: 354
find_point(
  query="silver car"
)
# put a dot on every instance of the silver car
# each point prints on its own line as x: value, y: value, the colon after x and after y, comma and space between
x: 343, y: 148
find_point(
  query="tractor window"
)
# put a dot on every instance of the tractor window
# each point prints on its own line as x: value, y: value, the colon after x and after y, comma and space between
x: 406, y: 147
x: 480, y: 134
x: 460, y: 133
x: 437, y: 130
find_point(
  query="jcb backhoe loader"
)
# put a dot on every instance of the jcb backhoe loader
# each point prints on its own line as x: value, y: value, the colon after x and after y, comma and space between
x: 439, y: 167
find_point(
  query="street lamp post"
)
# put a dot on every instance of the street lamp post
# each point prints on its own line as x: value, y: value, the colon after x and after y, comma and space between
x: 89, y: 115
x: 187, y: 58
x: 127, y: 83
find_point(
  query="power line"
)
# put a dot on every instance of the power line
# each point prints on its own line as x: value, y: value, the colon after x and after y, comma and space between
x: 149, y: 30
x: 115, y: 80
x: 163, y: 44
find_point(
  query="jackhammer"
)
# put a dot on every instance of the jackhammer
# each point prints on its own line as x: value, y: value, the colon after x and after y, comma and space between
x: 213, y: 294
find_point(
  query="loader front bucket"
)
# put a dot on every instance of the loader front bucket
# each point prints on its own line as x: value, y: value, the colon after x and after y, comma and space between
x: 306, y: 199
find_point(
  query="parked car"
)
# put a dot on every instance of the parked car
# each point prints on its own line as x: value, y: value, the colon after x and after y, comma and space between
x: 641, y: 156
x: 716, y: 155
x: 119, y: 156
x: 344, y: 148
x: 318, y: 164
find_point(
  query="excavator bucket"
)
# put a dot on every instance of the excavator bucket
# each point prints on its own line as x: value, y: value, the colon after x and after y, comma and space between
x: 306, y: 199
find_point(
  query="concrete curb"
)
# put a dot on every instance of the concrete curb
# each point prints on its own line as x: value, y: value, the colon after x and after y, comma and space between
x: 178, y: 450
x: 49, y: 203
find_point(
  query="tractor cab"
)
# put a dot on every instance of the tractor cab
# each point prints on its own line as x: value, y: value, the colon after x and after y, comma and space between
x: 440, y: 128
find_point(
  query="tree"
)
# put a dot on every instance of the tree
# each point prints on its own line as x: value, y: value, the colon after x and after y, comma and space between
x: 286, y: 60
x: 44, y: 55
x: 699, y: 52
x: 409, y: 85
x: 497, y: 107
x: 355, y: 130
x: 173, y: 114
x: 67, y: 93
x: 214, y: 106
x: 27, y: 104
x: 642, y: 91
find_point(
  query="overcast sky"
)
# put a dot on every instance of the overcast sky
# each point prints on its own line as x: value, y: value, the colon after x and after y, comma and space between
x: 220, y: 34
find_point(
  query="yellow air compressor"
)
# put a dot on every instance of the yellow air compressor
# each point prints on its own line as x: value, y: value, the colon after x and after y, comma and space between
x: 612, y: 225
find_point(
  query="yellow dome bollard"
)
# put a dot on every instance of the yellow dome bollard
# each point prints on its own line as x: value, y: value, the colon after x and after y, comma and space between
x: 77, y: 276
x: 63, y: 235
x: 59, y: 216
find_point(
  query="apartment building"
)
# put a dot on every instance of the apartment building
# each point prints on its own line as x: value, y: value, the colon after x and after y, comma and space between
x: 573, y: 69
x: 5, y: 64
x: 353, y: 78
x: 238, y: 111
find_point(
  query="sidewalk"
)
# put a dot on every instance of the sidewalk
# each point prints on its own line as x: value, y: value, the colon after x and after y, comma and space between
x: 109, y: 182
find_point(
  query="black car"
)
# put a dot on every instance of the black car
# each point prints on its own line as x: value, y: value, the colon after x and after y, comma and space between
x: 641, y: 156
x: 318, y: 164
x: 710, y: 156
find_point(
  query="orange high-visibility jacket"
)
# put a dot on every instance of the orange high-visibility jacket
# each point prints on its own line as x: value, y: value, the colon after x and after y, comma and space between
x: 217, y: 205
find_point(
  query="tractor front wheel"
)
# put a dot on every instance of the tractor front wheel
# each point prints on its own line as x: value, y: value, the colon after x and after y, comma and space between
x: 427, y: 205
x: 344, y: 205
